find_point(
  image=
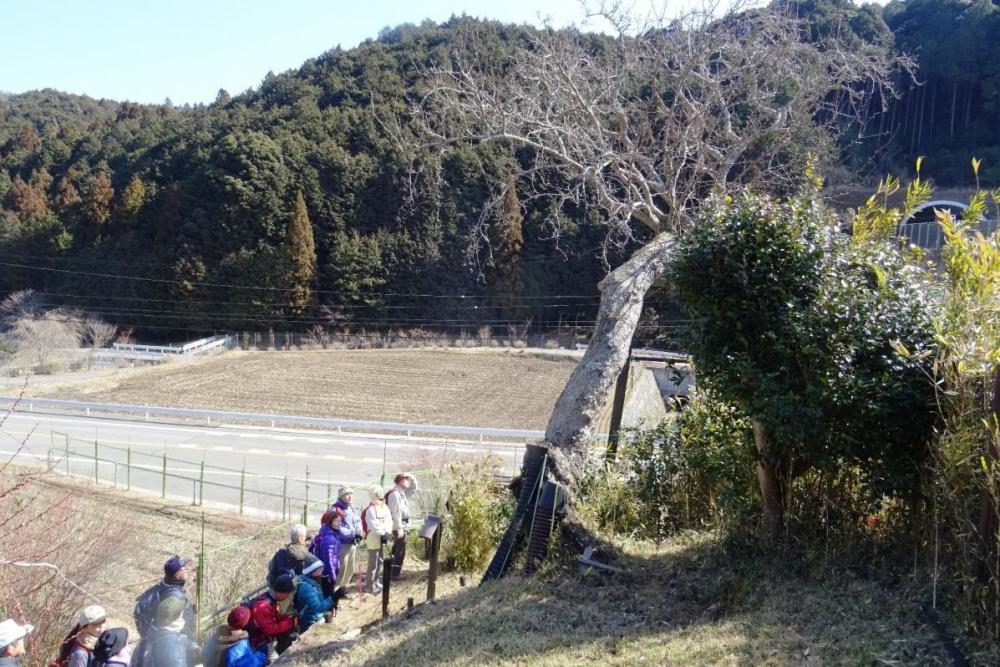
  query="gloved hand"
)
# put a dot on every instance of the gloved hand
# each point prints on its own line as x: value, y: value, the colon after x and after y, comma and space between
x: 358, y: 538
x: 384, y: 538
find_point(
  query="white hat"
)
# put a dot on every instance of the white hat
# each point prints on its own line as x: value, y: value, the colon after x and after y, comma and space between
x: 11, y: 631
x: 93, y: 614
x: 312, y: 567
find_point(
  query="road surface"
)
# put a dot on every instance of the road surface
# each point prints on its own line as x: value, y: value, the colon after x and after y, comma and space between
x: 131, y: 454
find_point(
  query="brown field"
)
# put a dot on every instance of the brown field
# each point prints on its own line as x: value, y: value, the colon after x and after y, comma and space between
x: 488, y: 389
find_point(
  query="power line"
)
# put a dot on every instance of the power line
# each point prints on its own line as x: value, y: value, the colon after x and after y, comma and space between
x: 290, y: 289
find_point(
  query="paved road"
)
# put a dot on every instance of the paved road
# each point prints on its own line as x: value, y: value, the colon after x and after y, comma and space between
x: 132, y: 454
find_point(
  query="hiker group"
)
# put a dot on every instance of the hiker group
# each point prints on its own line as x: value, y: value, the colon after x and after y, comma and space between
x: 306, y: 579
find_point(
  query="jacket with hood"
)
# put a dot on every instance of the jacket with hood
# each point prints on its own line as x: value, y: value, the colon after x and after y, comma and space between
x: 231, y: 648
x: 166, y: 647
x: 326, y: 547
x: 145, y: 607
x: 310, y: 602
x: 266, y: 621
x: 399, y: 507
x: 290, y: 559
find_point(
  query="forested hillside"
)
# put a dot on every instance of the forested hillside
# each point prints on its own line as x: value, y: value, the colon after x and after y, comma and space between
x: 291, y: 205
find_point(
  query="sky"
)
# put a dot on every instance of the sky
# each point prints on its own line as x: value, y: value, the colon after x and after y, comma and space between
x: 149, y: 50
x: 186, y: 50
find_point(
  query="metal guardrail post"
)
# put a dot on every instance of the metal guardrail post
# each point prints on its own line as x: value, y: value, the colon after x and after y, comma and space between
x: 163, y: 490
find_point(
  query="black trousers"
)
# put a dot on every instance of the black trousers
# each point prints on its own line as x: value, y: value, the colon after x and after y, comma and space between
x: 398, y: 554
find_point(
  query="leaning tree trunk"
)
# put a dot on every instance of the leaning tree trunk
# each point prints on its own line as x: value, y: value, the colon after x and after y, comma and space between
x: 571, y: 426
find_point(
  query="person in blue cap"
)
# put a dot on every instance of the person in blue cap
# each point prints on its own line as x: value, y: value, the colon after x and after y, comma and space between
x: 175, y: 577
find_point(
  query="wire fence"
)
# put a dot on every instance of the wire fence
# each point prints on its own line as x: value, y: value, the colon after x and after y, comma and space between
x: 232, y: 572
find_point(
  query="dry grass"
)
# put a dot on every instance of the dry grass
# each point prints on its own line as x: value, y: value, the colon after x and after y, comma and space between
x: 134, y: 535
x: 489, y: 389
x: 682, y: 603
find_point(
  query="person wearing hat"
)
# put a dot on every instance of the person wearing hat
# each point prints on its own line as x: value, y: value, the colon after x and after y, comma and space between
x: 175, y: 576
x: 229, y: 644
x: 77, y: 648
x: 310, y: 601
x: 112, y: 649
x: 377, y: 523
x: 12, y: 636
x: 326, y: 546
x: 399, y: 510
x: 350, y: 530
x: 267, y: 622
x: 291, y: 558
x: 165, y: 643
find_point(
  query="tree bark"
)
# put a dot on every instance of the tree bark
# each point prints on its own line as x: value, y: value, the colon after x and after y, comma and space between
x: 769, y: 478
x: 571, y: 427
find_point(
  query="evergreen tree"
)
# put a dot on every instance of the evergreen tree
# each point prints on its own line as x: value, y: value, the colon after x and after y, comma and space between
x: 133, y: 198
x: 66, y: 194
x: 99, y: 199
x: 300, y: 251
x: 27, y: 200
x: 506, y: 280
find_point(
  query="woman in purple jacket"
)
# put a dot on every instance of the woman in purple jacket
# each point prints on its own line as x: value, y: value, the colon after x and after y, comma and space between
x: 326, y: 546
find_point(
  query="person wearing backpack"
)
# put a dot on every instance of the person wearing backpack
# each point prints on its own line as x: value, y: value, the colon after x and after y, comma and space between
x: 376, y: 522
x: 12, y: 636
x: 77, y: 649
x: 267, y: 622
x: 112, y: 649
x: 175, y: 576
x: 165, y: 643
x: 351, y: 528
x: 229, y: 644
x: 291, y: 558
x: 399, y: 509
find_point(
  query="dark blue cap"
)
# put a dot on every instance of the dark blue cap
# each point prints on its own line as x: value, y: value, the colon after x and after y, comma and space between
x: 174, y: 565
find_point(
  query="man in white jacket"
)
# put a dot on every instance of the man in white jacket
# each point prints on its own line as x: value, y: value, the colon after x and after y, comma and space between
x: 377, y: 521
x: 399, y: 509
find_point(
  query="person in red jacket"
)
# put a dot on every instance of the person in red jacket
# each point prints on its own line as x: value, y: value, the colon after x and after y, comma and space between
x: 267, y: 623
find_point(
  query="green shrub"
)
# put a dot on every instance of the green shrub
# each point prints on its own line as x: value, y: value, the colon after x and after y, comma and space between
x: 693, y: 471
x: 477, y: 512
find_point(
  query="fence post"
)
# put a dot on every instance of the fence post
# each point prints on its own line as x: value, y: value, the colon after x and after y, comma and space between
x: 329, y: 488
x: 128, y: 468
x: 52, y: 445
x: 243, y: 479
x: 284, y: 500
x: 163, y: 489
x: 67, y: 454
x: 305, y: 514
x: 307, y: 489
x: 97, y: 479
x: 201, y: 482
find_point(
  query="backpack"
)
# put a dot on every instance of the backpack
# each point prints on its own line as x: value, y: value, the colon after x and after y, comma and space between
x: 145, y: 609
x: 62, y: 662
x: 364, y: 519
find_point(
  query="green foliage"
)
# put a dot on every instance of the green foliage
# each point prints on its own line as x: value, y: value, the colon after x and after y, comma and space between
x: 802, y: 329
x: 693, y: 471
x: 476, y: 515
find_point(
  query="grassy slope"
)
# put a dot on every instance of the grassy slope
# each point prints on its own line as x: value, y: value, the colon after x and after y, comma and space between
x: 683, y: 603
x: 513, y: 390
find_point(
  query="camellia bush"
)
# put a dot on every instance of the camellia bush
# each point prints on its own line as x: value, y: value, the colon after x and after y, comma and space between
x: 823, y: 342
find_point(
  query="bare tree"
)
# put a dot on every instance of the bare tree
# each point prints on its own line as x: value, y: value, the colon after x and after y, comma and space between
x: 95, y: 333
x: 643, y: 126
x: 37, y: 339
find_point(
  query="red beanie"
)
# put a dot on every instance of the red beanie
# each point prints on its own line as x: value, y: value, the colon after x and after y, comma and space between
x: 399, y: 478
x: 238, y: 617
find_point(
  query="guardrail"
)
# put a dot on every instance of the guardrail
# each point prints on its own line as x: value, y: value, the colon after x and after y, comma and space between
x: 29, y: 404
x: 159, y: 352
